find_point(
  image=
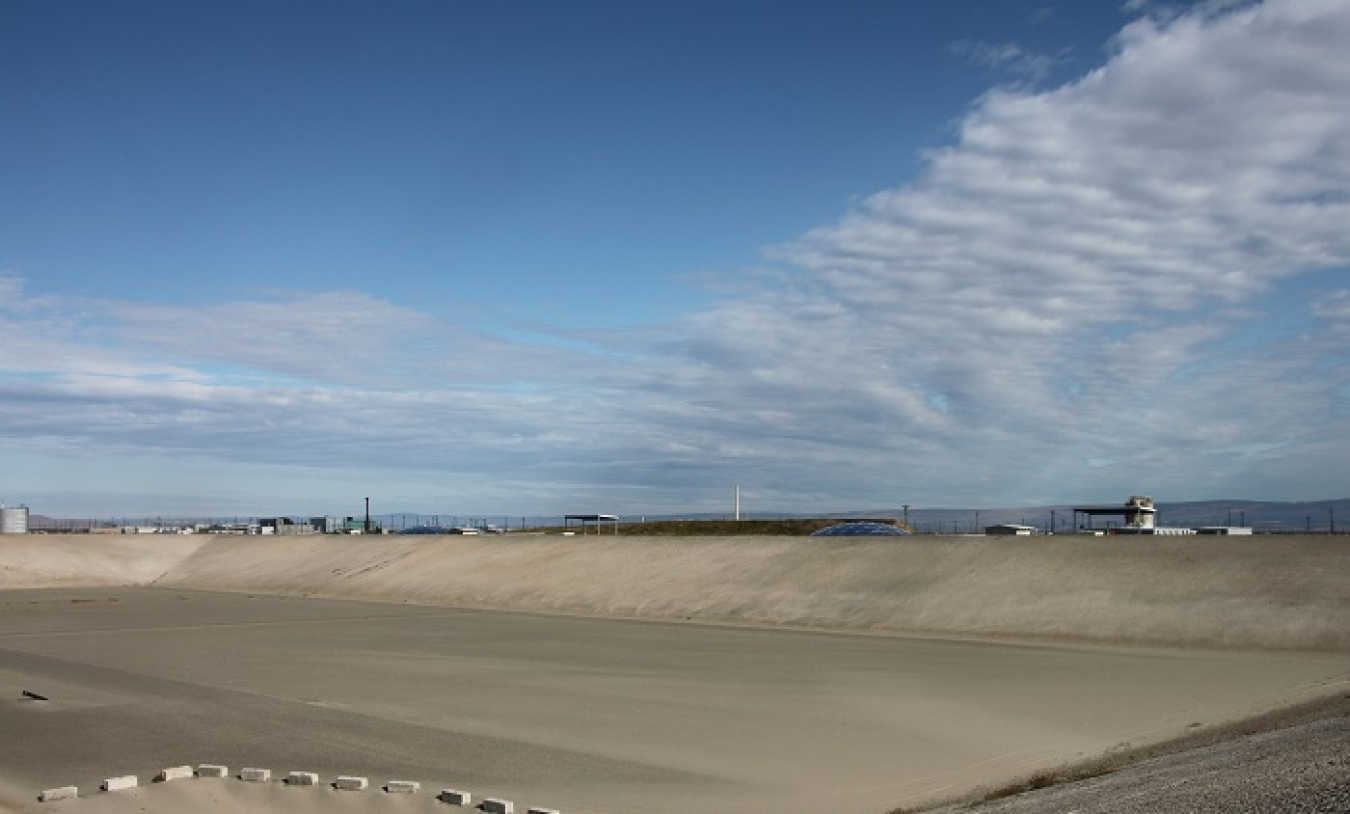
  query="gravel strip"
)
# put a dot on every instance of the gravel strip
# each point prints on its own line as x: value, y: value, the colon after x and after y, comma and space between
x: 1303, y: 768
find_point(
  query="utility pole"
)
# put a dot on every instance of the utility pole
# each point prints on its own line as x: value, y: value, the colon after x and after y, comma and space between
x: 366, y: 528
x: 907, y: 516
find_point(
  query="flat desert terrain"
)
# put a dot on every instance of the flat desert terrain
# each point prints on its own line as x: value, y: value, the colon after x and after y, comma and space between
x: 637, y: 675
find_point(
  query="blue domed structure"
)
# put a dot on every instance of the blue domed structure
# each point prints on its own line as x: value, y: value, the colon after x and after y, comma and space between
x: 863, y: 528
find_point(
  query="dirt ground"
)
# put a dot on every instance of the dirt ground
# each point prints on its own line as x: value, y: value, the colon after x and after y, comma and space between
x: 772, y: 675
x: 579, y: 714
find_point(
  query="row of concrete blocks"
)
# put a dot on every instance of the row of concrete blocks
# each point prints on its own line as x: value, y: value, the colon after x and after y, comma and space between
x: 490, y: 805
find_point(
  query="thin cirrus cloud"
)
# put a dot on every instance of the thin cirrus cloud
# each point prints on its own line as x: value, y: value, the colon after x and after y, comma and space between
x: 1008, y: 57
x: 1135, y: 281
x: 297, y: 378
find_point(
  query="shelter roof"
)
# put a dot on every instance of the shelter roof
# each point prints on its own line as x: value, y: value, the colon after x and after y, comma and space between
x: 1116, y: 508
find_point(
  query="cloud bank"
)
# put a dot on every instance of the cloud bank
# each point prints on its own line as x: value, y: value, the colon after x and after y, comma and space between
x: 1137, y: 281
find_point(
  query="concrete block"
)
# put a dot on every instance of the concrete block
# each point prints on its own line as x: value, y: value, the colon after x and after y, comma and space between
x: 403, y: 787
x: 63, y: 793
x: 455, y: 797
x: 174, y: 773
x: 126, y: 781
x: 256, y: 775
x: 213, y: 770
x: 534, y: 810
x: 302, y: 779
x: 351, y: 783
x: 494, y: 806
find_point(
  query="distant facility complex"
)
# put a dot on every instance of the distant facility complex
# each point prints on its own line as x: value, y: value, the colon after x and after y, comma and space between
x: 1137, y: 515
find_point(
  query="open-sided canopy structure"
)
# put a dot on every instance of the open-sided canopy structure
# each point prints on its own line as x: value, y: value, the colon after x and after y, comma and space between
x: 586, y: 520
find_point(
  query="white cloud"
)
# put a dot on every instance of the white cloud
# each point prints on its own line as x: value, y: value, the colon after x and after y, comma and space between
x: 1030, y: 300
x: 333, y: 379
x: 1052, y: 309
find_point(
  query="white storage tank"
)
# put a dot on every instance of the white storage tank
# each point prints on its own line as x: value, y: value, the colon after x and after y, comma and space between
x: 14, y: 520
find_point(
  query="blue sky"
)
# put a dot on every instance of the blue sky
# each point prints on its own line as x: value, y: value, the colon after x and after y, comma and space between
x: 528, y: 257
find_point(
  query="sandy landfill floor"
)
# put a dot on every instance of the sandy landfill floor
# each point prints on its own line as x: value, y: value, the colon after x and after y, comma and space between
x: 574, y: 712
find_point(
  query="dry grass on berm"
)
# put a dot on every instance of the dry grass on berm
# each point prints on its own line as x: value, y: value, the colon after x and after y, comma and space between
x: 721, y: 528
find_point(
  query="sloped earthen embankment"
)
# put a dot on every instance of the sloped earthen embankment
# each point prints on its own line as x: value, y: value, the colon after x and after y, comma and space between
x: 1258, y: 592
x: 80, y: 560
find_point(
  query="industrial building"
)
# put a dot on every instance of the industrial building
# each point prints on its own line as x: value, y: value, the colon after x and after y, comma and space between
x: 1138, y: 514
x: 283, y: 525
x: 13, y: 519
x: 344, y: 525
